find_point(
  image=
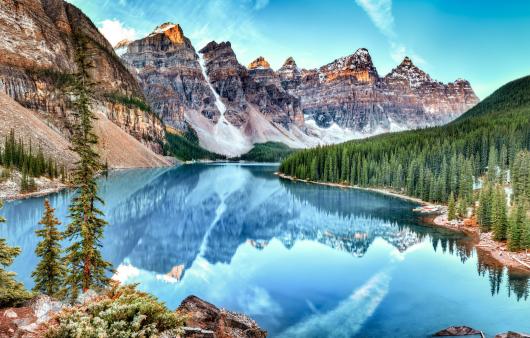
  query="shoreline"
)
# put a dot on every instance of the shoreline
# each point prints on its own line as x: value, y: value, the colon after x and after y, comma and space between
x: 35, y: 194
x: 345, y: 186
x: 481, y: 241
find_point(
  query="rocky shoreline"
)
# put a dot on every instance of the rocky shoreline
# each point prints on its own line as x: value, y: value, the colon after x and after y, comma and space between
x: 483, y: 242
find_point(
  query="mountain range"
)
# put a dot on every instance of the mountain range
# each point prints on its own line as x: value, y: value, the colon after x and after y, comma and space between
x: 232, y: 107
x: 161, y: 83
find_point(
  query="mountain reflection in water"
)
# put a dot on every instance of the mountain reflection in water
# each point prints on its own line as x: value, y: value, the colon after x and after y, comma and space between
x: 302, y: 259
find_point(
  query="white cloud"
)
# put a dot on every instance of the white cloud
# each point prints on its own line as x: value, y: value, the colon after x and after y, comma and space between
x: 115, y: 31
x: 380, y: 13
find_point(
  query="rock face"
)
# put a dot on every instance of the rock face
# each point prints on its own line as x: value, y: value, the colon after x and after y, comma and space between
x: 206, y: 320
x: 350, y: 93
x: 37, y: 57
x: 229, y: 106
x: 169, y: 72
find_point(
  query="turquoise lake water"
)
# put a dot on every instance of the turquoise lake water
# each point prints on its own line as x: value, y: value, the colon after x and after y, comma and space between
x: 302, y: 260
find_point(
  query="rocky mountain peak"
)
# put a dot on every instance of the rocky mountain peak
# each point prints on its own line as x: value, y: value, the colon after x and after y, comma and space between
x: 123, y: 43
x: 407, y: 62
x: 121, y: 47
x: 289, y: 63
x: 358, y: 65
x: 259, y: 63
x: 172, y: 31
x: 410, y: 73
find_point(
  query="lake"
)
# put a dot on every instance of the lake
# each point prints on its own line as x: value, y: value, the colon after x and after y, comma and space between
x: 302, y: 260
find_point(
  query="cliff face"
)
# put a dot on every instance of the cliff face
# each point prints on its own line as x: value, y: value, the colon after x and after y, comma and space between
x: 229, y: 106
x: 350, y: 93
x: 170, y: 74
x: 37, y: 47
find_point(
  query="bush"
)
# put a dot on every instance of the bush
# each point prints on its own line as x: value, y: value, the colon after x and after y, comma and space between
x: 129, y: 101
x: 121, y: 312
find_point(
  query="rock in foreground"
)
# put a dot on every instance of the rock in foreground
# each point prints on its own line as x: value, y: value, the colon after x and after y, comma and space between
x: 511, y: 334
x: 206, y: 320
x: 456, y: 331
x: 27, y: 321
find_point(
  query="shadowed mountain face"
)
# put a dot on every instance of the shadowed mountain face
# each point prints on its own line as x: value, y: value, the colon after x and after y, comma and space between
x: 293, y: 256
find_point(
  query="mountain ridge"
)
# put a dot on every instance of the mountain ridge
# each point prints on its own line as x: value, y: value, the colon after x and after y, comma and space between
x: 345, y: 99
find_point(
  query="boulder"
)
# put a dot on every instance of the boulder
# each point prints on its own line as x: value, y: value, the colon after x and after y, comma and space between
x: 511, y: 334
x: 206, y: 320
x: 456, y: 331
x: 27, y: 321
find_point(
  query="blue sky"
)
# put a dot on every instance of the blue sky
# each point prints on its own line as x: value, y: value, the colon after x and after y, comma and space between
x: 484, y: 41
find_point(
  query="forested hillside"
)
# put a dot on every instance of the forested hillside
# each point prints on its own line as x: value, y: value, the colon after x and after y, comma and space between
x: 430, y: 163
x: 267, y: 152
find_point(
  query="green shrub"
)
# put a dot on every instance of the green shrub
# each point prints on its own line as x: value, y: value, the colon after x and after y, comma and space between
x: 119, y: 313
x: 129, y: 101
x: 58, y: 79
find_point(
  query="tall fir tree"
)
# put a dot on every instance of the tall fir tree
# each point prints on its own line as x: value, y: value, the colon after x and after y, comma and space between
x: 485, y: 203
x: 451, y: 209
x: 50, y: 271
x: 499, y: 215
x: 11, y: 292
x: 517, y: 222
x: 86, y: 268
x: 525, y: 241
x: 461, y: 207
x: 492, y: 165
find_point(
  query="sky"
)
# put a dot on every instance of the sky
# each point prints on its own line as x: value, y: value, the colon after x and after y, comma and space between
x: 484, y: 41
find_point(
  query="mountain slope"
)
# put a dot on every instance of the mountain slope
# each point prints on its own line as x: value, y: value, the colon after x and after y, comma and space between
x: 433, y: 162
x: 513, y: 95
x: 37, y: 57
x: 31, y: 127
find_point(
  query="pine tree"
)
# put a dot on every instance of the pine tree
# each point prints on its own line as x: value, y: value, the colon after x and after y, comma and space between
x: 11, y: 292
x: 49, y: 273
x: 516, y: 226
x: 499, y: 215
x: 86, y: 267
x: 492, y: 165
x: 485, y: 204
x: 461, y: 207
x: 526, y: 235
x: 451, y: 209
